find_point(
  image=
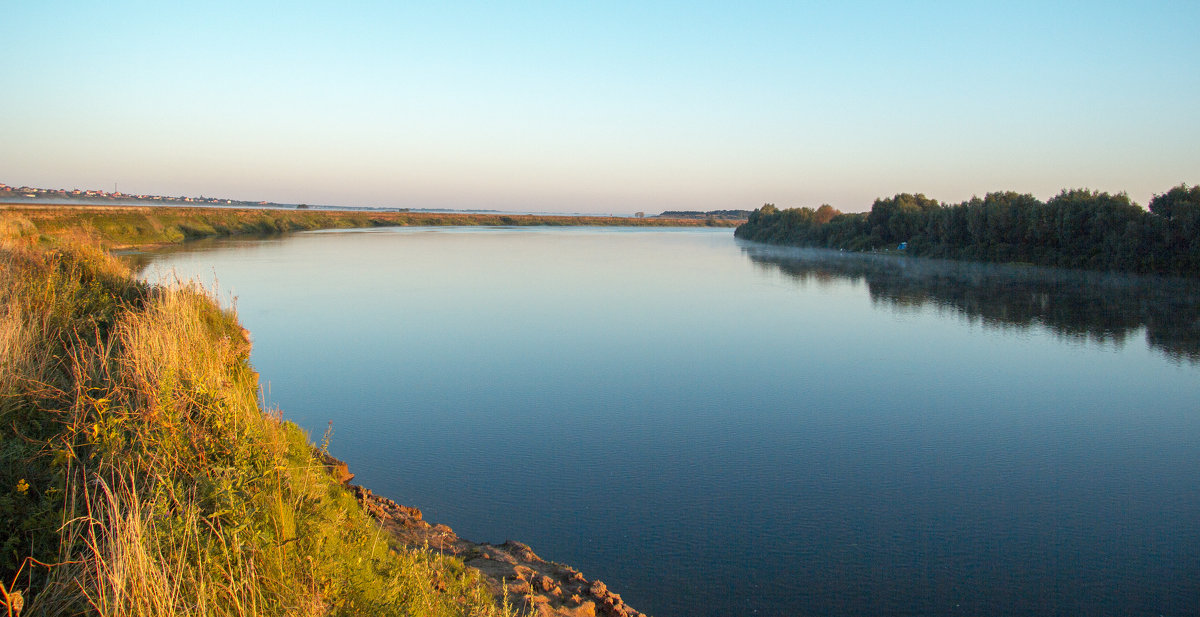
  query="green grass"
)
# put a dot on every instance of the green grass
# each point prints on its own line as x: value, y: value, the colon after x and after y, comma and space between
x: 139, y: 474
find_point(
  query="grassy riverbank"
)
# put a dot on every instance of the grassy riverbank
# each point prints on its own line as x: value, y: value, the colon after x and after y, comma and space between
x: 121, y: 226
x: 139, y: 474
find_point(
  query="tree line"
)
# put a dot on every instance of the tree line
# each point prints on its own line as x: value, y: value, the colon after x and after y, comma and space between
x: 1075, y: 229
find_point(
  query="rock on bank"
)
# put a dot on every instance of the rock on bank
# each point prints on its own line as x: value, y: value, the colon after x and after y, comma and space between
x: 532, y: 584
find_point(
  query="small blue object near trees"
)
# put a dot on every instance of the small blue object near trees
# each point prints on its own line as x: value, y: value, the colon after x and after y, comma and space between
x: 903, y: 245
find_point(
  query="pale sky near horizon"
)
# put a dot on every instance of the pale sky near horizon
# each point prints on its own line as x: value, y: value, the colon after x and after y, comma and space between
x: 600, y: 107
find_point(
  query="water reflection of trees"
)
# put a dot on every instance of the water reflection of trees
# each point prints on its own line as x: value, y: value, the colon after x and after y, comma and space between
x: 1075, y: 305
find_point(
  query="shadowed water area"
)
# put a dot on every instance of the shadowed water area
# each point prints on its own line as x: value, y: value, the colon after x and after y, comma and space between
x: 719, y: 428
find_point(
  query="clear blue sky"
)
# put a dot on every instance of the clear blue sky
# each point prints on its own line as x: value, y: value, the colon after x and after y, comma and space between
x: 600, y: 107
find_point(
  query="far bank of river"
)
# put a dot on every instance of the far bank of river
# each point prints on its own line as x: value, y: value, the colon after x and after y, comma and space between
x: 142, y: 226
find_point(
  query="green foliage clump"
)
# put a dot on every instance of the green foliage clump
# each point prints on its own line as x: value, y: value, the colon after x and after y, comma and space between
x: 1075, y: 229
x: 1178, y: 212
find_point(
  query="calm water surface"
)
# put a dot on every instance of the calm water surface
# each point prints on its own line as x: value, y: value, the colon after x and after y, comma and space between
x: 716, y: 428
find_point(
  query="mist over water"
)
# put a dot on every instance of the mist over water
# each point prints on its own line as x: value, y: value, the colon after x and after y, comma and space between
x: 1075, y: 305
x: 720, y: 428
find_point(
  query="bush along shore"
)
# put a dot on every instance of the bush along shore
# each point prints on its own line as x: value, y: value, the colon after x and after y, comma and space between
x: 1076, y: 229
x: 140, y: 474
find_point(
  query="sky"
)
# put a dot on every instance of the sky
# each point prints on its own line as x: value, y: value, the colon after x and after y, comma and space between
x: 600, y: 107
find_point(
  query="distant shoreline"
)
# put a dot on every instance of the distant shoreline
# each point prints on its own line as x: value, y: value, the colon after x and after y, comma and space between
x: 127, y: 226
x: 31, y: 196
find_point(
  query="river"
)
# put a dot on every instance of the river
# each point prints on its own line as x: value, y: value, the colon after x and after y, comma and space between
x: 720, y: 428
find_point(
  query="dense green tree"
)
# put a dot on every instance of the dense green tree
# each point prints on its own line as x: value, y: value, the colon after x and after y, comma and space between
x: 1179, y: 231
x: 899, y: 218
x: 1180, y: 202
